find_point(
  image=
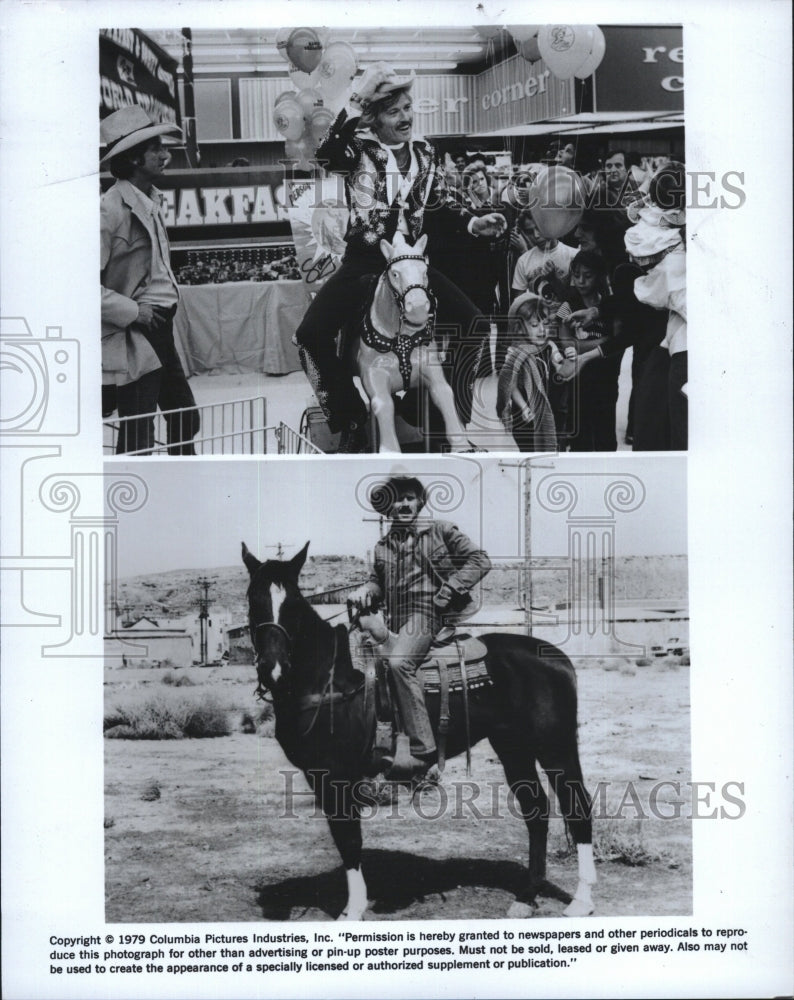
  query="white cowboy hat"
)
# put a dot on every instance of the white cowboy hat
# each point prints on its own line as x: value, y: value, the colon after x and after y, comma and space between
x: 395, y: 83
x: 128, y: 127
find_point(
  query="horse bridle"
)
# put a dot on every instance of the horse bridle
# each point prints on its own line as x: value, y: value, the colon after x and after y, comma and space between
x: 258, y: 661
x: 400, y: 298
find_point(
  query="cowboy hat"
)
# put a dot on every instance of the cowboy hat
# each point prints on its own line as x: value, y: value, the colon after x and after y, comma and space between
x: 387, y: 87
x: 383, y: 495
x: 129, y: 127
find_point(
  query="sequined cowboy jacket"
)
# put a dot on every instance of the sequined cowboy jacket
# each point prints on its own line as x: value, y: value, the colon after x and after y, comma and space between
x: 361, y: 159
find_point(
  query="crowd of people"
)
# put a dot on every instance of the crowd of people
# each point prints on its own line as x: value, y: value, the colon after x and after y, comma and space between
x: 567, y: 309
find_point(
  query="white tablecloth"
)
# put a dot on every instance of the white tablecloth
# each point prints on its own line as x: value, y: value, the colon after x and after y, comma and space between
x: 240, y: 327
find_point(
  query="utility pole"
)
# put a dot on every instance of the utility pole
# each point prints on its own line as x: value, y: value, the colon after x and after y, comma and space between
x: 279, y: 547
x: 204, y: 614
x: 527, y: 466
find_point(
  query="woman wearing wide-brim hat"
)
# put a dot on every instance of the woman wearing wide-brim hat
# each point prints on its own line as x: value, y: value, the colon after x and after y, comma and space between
x: 393, y: 182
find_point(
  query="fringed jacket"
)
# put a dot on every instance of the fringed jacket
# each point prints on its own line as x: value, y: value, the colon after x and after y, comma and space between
x: 375, y: 194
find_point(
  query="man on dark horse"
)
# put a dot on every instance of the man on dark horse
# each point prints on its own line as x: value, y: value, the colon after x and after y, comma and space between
x: 392, y: 182
x: 423, y: 571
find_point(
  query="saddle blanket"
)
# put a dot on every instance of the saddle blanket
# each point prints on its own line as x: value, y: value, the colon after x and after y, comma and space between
x: 446, y: 657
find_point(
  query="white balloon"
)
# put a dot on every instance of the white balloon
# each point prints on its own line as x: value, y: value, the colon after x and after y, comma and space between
x: 593, y: 61
x: 337, y: 69
x: 565, y: 47
x: 299, y: 79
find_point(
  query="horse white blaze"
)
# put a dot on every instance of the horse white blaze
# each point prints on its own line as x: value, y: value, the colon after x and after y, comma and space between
x: 357, y: 900
x: 277, y: 595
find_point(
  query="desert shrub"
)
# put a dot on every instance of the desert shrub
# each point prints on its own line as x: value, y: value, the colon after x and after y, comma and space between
x: 113, y: 720
x: 685, y: 660
x: 172, y: 718
x: 183, y: 680
x: 151, y: 792
x: 167, y: 678
x: 644, y: 661
x: 624, y: 843
x: 109, y: 822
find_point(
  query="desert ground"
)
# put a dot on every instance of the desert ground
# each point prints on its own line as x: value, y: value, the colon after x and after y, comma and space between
x: 222, y: 828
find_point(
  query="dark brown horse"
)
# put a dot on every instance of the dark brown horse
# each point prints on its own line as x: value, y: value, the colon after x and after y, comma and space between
x: 528, y: 713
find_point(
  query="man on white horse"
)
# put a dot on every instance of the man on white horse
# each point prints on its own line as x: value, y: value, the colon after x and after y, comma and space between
x: 393, y: 182
x: 424, y: 571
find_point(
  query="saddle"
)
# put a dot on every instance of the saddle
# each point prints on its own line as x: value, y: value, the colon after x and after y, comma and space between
x: 455, y: 664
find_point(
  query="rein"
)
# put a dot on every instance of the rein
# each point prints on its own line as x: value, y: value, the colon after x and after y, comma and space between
x: 310, y: 701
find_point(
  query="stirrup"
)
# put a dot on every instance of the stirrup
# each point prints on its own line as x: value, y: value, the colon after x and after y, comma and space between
x: 405, y: 767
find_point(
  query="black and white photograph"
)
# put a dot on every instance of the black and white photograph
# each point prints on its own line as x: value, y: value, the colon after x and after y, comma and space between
x: 357, y: 240
x: 339, y: 675
x: 390, y: 603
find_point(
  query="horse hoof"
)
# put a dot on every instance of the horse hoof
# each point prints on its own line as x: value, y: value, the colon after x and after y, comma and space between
x: 348, y: 915
x: 519, y: 911
x: 579, y: 908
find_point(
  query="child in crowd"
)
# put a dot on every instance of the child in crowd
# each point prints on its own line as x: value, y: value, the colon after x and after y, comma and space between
x: 547, y: 258
x: 532, y: 383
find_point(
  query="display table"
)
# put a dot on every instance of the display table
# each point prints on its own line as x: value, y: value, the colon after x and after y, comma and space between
x: 242, y: 326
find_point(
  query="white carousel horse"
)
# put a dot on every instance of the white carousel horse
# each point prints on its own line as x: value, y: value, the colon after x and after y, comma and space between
x: 396, y: 349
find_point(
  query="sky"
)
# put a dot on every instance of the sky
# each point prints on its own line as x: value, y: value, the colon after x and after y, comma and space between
x: 197, y: 513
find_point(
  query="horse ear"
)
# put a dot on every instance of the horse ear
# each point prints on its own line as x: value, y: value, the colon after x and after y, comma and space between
x: 298, y: 560
x: 252, y: 564
x: 386, y: 249
x: 421, y: 243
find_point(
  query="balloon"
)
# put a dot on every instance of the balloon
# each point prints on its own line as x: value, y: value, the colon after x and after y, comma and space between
x: 282, y: 37
x: 522, y: 32
x: 556, y: 201
x: 300, y: 150
x: 310, y: 99
x: 564, y: 47
x: 593, y: 61
x: 288, y: 118
x: 529, y: 50
x: 337, y: 69
x: 320, y: 121
x: 304, y: 49
x: 284, y: 95
x: 299, y: 79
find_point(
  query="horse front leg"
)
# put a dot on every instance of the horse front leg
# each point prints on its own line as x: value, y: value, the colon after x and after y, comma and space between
x: 377, y: 385
x: 432, y: 377
x: 347, y: 837
x: 335, y: 797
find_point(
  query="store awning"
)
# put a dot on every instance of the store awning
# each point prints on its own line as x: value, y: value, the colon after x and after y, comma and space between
x: 592, y: 123
x: 614, y: 127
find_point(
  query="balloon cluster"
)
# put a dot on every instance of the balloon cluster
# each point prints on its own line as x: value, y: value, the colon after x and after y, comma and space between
x: 567, y: 49
x: 322, y: 75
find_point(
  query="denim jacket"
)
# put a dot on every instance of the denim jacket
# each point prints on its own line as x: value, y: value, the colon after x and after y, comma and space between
x: 451, y: 556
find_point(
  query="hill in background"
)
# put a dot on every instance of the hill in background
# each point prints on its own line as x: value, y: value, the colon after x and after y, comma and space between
x: 176, y: 593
